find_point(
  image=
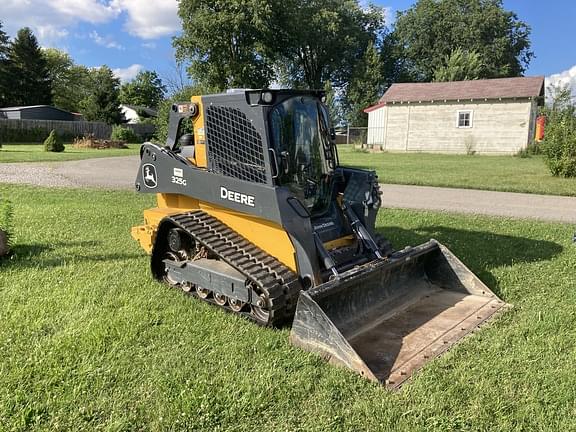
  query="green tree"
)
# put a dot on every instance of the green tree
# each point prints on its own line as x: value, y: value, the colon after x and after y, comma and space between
x: 4, y: 65
x: 312, y: 41
x: 29, y: 80
x: 102, y: 100
x: 69, y: 81
x: 559, y: 145
x: 146, y: 89
x: 222, y: 41
x: 431, y: 30
x: 460, y: 65
x: 366, y: 86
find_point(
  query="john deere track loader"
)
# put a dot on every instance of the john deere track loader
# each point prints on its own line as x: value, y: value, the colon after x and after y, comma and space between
x: 256, y: 215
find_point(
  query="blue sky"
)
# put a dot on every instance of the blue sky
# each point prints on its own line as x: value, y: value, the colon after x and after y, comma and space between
x: 131, y: 35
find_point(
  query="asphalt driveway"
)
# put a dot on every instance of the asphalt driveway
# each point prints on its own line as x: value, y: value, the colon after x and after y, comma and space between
x: 120, y: 172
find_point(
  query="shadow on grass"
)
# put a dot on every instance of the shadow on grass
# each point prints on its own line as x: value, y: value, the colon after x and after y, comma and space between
x: 39, y: 256
x: 479, y: 250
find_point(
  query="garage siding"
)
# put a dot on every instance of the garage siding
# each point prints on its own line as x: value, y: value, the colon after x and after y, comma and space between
x: 498, y: 127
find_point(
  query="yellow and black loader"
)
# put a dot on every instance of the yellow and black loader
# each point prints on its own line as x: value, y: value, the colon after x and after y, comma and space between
x: 256, y: 215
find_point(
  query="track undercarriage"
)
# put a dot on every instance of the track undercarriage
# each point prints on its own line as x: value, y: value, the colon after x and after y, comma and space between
x: 206, y: 259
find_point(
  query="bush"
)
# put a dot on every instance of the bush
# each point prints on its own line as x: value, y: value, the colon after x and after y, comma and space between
x: 5, y: 227
x: 53, y: 143
x: 559, y: 145
x: 120, y: 133
x: 532, y: 149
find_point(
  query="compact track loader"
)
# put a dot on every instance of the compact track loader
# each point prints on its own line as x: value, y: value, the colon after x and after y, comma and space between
x: 256, y: 215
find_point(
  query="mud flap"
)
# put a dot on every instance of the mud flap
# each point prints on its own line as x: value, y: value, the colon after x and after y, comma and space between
x: 386, y: 319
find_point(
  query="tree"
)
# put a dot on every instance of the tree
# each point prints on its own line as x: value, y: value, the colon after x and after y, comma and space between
x: 460, y: 65
x: 366, y: 86
x: 29, y: 79
x: 559, y: 145
x: 300, y: 43
x: 4, y: 65
x: 431, y: 30
x: 222, y: 42
x: 102, y: 103
x: 146, y: 89
x: 312, y: 41
x: 69, y: 81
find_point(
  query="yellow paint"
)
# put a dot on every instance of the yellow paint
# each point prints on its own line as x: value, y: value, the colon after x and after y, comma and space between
x: 342, y: 241
x: 199, y: 135
x: 267, y: 235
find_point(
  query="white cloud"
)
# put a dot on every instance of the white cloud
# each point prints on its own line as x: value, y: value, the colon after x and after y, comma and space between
x: 567, y: 77
x: 150, y: 19
x: 128, y: 74
x: 52, y: 19
x: 105, y: 41
x: 92, y: 11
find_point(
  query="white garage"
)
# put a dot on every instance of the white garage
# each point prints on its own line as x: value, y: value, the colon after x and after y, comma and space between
x: 494, y: 116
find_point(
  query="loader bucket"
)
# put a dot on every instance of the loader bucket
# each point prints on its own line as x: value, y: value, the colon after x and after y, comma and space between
x: 386, y: 319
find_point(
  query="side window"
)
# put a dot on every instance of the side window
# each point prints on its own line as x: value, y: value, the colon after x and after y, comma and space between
x: 464, y: 119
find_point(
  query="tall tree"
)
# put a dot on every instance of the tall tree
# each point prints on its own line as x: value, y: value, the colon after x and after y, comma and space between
x: 102, y: 102
x: 69, y: 81
x: 222, y: 39
x: 366, y: 86
x: 146, y: 89
x: 29, y: 78
x: 313, y: 41
x: 432, y: 29
x: 460, y: 65
x: 4, y: 73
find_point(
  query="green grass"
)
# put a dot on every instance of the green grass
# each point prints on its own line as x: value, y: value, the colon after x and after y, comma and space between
x: 498, y: 173
x: 90, y: 342
x: 36, y: 153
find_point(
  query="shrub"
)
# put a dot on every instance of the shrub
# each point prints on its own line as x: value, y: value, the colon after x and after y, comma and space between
x: 53, y: 143
x: 120, y: 133
x: 559, y: 145
x: 5, y: 227
x: 532, y: 149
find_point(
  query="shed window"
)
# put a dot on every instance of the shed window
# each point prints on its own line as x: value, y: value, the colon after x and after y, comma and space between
x: 464, y: 119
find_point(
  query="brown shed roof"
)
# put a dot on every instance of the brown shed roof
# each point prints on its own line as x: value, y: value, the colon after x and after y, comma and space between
x: 504, y: 88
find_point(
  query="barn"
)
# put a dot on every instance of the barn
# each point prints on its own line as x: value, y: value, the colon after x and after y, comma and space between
x: 491, y: 116
x: 37, y: 112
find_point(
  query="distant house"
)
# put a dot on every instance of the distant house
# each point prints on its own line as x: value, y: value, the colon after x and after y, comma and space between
x: 135, y: 114
x: 38, y: 112
x: 492, y: 116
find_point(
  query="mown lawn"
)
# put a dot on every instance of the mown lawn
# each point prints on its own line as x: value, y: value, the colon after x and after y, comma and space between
x: 498, y: 173
x: 90, y: 342
x: 36, y: 153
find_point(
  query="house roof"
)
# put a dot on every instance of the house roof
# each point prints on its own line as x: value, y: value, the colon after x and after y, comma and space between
x: 498, y: 88
x: 21, y: 108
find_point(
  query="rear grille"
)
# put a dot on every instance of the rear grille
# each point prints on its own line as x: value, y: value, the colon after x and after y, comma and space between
x: 234, y: 145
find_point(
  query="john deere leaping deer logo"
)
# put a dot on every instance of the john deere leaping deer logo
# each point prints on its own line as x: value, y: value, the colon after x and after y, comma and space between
x: 149, y: 175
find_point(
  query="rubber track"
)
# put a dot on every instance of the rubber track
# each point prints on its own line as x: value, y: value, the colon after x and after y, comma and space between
x: 278, y: 283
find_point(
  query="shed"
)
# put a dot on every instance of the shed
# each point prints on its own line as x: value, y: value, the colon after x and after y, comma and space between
x: 38, y: 112
x: 491, y: 116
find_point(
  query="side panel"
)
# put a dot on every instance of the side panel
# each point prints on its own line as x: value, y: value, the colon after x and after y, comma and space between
x: 267, y: 235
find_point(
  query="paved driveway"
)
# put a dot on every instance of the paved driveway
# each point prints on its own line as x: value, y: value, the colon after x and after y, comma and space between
x: 120, y: 172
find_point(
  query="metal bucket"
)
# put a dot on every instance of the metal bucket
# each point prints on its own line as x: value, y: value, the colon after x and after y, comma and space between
x: 386, y: 319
